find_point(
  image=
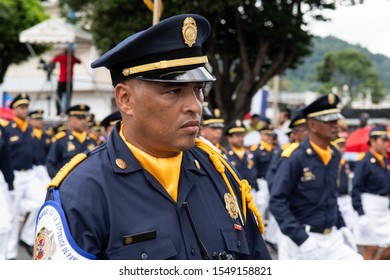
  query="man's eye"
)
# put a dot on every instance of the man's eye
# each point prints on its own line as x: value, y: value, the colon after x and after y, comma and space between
x: 198, y: 90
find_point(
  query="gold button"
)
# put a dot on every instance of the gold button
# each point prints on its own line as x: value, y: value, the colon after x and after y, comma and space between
x: 121, y: 163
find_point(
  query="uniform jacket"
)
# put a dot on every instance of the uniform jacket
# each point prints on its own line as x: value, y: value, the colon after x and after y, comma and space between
x: 262, y: 159
x: 104, y: 203
x: 20, y: 146
x: 304, y: 192
x: 369, y: 177
x: 5, y: 167
x: 244, y: 166
x: 63, y: 149
x: 41, y: 148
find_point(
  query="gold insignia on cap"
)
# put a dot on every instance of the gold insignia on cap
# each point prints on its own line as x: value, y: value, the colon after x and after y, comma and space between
x: 189, y: 31
x: 197, y: 164
x: 217, y: 113
x: 309, y: 151
x: 24, y: 95
x: 231, y: 205
x: 82, y: 106
x: 121, y: 163
x: 238, y: 123
x: 331, y: 98
x: 372, y: 160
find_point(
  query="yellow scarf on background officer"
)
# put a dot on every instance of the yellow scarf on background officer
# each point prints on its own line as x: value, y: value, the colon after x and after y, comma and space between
x: 325, y: 155
x: 22, y: 124
x: 165, y: 170
x: 240, y: 152
x: 38, y: 133
x: 267, y: 146
x: 80, y: 135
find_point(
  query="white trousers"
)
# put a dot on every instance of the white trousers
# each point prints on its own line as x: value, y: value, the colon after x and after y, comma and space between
x: 331, y: 245
x: 29, y: 196
x: 5, y: 217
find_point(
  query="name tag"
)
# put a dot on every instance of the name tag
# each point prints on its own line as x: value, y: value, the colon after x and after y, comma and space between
x: 138, y: 237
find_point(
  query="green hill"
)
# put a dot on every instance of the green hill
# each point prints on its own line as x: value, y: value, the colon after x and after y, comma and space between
x: 302, y: 78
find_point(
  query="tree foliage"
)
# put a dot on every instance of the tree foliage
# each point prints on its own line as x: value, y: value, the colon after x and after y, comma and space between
x: 353, y: 69
x: 16, y: 16
x: 251, y: 40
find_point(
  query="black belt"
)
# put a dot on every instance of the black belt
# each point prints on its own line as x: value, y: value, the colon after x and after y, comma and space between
x: 318, y: 230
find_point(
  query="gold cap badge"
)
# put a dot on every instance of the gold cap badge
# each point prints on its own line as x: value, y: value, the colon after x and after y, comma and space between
x: 121, y: 163
x: 217, y: 113
x: 189, y: 31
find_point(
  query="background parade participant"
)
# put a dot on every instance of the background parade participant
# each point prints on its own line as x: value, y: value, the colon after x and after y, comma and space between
x: 236, y: 153
x: 304, y: 191
x: 71, y: 142
x: 27, y: 196
x: 109, y: 122
x: 180, y: 201
x: 211, y: 129
x: 370, y: 197
x: 41, y: 143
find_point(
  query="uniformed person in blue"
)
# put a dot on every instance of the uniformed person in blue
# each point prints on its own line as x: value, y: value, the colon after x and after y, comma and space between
x: 69, y: 143
x: 27, y: 195
x: 6, y: 188
x: 370, y: 197
x: 298, y: 133
x: 41, y: 143
x: 304, y: 191
x: 236, y: 153
x: 109, y: 122
x: 211, y: 129
x: 153, y: 191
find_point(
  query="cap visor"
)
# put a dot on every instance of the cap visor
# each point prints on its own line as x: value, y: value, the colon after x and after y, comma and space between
x: 329, y: 117
x: 199, y: 74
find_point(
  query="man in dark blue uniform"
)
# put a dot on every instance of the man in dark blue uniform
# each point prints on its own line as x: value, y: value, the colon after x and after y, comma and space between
x: 69, y: 143
x: 236, y: 153
x: 28, y: 195
x: 304, y: 191
x: 109, y: 122
x: 370, y: 197
x: 211, y: 130
x: 154, y: 191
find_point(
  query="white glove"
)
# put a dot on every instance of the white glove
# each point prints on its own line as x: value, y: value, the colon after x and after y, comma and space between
x: 349, y: 239
x: 310, y: 250
x: 11, y: 197
x: 364, y: 224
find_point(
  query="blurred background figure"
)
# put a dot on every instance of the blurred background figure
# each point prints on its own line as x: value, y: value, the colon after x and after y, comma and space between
x: 109, y: 122
x: 67, y: 60
x: 211, y: 130
x: 363, y: 119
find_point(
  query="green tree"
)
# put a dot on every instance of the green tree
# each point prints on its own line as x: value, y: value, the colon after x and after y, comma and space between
x: 16, y: 16
x: 251, y: 40
x: 353, y: 70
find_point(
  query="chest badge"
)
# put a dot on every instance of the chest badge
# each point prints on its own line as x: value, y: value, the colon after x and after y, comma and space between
x: 231, y: 205
x: 307, y: 175
x: 71, y: 147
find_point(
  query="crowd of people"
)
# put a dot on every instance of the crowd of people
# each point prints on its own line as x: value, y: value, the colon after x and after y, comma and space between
x: 165, y: 177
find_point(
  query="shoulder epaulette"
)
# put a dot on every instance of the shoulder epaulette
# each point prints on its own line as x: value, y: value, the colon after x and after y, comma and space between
x: 287, y: 152
x: 254, y: 148
x: 360, y: 156
x: 66, y: 169
x: 3, y: 122
x: 93, y: 136
x: 59, y: 135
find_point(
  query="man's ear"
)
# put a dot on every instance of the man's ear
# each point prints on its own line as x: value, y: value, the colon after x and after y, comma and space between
x: 124, y: 97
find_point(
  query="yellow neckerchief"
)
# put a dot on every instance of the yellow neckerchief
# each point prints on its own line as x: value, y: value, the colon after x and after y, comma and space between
x: 342, y: 162
x: 379, y: 157
x: 165, y: 170
x: 38, y: 133
x: 80, y: 135
x: 325, y: 155
x: 22, y: 124
x: 267, y: 146
x: 239, y: 151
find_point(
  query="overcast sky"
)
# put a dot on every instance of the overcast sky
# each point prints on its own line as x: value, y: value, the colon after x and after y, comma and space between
x: 367, y: 24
